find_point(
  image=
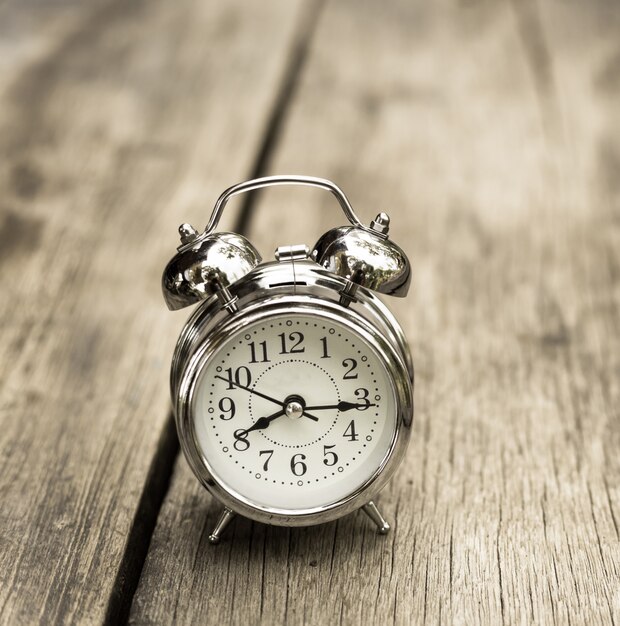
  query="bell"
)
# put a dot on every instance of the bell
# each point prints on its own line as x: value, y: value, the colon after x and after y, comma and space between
x: 206, y: 265
x: 365, y: 257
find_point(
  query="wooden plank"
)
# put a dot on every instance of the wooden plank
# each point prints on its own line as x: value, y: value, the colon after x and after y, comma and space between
x: 117, y: 122
x: 490, y: 132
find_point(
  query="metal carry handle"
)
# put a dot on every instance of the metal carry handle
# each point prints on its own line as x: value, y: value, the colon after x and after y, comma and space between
x: 272, y: 181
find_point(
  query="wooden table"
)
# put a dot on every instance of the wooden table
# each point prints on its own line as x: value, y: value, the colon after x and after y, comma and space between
x: 491, y: 134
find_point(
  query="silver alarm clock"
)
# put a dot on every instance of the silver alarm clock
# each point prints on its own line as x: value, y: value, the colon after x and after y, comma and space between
x: 292, y: 383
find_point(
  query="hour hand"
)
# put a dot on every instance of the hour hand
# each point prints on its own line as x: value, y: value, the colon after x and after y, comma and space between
x: 260, y: 424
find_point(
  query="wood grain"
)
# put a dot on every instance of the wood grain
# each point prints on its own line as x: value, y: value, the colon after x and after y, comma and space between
x: 491, y: 133
x: 118, y: 121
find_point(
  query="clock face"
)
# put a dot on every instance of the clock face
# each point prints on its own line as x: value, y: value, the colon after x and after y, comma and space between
x: 294, y: 412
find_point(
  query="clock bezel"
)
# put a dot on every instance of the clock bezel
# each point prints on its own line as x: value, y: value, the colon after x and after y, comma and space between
x: 260, y: 310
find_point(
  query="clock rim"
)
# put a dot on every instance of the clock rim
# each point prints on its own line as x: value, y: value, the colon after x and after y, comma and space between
x: 267, y: 308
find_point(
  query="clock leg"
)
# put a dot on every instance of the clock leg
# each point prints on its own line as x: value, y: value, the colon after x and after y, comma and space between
x: 222, y: 522
x: 373, y: 512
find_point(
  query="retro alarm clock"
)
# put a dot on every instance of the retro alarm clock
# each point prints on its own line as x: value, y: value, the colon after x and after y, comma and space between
x: 292, y: 383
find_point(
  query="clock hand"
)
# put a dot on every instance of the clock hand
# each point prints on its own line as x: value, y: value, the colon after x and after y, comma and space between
x: 260, y: 424
x: 256, y: 393
x: 263, y: 422
x: 262, y: 395
x: 343, y: 405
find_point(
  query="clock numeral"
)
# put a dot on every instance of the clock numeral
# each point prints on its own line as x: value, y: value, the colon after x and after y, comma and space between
x: 331, y: 458
x: 362, y: 396
x: 298, y: 467
x: 352, y: 365
x: 263, y: 352
x: 227, y: 406
x: 350, y: 432
x: 241, y: 376
x: 296, y: 339
x: 325, y: 354
x: 241, y: 440
x: 269, y: 454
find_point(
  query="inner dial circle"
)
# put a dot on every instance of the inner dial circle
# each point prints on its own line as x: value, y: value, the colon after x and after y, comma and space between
x: 308, y: 384
x: 293, y: 412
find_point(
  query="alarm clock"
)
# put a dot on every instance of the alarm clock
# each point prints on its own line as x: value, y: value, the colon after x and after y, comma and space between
x: 292, y: 382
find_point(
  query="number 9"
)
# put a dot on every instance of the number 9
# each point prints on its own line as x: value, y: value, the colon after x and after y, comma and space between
x: 226, y: 406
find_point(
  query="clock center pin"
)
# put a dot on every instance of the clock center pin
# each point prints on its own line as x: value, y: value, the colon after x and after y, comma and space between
x: 294, y: 407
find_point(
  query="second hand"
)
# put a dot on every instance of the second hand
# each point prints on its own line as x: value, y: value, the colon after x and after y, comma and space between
x: 256, y: 393
x: 262, y: 395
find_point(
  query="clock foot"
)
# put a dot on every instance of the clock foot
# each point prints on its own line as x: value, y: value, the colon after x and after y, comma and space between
x: 373, y: 512
x: 222, y: 522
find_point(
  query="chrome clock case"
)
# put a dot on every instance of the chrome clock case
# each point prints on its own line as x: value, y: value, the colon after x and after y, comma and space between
x: 335, y: 282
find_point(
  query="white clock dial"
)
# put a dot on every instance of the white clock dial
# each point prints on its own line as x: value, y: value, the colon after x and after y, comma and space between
x: 294, y: 413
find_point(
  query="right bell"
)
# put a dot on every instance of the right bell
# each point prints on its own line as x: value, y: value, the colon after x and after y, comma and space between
x: 366, y: 257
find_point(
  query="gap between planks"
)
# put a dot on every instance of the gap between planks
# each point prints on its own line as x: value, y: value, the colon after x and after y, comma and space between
x: 162, y: 467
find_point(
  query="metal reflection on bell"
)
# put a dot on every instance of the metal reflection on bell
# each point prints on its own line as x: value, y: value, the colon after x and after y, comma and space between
x: 365, y: 257
x: 206, y: 265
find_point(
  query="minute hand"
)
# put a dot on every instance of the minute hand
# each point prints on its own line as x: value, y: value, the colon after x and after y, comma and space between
x: 343, y: 405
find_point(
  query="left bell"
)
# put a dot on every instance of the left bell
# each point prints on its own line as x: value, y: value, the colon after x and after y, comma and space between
x: 206, y: 265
